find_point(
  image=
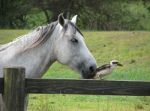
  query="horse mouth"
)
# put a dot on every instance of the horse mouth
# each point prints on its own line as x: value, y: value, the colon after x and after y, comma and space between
x: 87, y: 75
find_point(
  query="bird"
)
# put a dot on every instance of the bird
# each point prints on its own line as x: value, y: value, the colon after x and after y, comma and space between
x: 106, y: 69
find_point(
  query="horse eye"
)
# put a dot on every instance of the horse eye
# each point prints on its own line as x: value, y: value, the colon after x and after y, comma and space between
x: 74, y: 40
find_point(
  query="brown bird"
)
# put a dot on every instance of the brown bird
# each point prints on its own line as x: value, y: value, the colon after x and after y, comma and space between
x: 106, y: 69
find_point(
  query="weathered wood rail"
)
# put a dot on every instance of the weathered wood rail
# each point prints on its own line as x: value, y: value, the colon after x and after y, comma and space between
x: 90, y: 87
x: 14, y: 87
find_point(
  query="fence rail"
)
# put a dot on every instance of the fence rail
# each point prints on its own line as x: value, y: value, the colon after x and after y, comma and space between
x: 87, y: 87
x: 14, y: 88
x: 90, y: 87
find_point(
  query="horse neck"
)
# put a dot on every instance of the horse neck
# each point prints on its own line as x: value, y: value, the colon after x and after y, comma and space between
x: 45, y: 57
x: 45, y: 54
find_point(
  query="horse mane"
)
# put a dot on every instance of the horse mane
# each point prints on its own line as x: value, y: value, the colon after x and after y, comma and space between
x: 45, y: 33
x: 32, y: 39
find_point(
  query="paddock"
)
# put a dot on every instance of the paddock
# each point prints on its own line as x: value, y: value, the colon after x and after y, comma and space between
x: 15, y: 87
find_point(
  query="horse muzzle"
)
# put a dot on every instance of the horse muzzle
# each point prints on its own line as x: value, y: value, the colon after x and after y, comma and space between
x: 89, y: 73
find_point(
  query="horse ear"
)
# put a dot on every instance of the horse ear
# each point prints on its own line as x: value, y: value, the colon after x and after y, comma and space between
x: 61, y: 19
x: 74, y: 19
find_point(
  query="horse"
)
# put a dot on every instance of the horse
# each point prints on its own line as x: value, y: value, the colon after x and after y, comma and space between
x: 36, y: 51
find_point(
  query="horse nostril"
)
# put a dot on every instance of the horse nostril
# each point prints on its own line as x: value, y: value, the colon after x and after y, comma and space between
x: 92, y: 68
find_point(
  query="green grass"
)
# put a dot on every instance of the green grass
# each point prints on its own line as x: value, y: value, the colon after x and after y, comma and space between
x: 131, y: 48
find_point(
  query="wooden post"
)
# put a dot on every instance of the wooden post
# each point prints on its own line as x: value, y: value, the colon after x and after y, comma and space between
x: 14, y: 89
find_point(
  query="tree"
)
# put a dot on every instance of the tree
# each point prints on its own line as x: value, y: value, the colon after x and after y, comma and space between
x: 12, y: 13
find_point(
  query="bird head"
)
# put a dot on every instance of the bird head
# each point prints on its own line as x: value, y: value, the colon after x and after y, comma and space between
x: 115, y: 63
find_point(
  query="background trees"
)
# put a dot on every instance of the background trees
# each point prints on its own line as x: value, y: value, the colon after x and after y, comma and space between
x: 93, y: 14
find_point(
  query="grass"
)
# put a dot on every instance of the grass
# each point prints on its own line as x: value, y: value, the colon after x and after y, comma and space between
x: 131, y: 48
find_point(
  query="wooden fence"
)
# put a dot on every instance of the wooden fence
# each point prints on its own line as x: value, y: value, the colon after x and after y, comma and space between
x: 14, y: 87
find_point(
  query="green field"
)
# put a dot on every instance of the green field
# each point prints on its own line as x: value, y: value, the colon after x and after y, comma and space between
x: 132, y: 49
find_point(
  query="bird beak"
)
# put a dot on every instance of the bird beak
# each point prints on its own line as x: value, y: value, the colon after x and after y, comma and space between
x: 119, y: 64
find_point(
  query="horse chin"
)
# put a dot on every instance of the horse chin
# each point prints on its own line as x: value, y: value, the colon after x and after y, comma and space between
x: 85, y: 74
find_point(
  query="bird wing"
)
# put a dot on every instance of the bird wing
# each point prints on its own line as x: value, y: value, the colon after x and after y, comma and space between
x: 105, y: 66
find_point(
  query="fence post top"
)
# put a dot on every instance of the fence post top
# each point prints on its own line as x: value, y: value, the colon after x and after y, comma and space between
x: 13, y: 67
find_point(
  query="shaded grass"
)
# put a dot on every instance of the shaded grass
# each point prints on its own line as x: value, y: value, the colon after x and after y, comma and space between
x: 131, y: 48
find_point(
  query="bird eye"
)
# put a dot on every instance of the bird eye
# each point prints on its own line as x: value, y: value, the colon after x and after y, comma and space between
x: 74, y: 40
x: 115, y: 62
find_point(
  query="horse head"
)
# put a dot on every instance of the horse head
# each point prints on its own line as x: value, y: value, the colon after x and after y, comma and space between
x: 70, y: 48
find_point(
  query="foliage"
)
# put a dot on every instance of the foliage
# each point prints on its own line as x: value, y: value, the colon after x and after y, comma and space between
x: 35, y: 18
x: 93, y: 15
x: 12, y: 13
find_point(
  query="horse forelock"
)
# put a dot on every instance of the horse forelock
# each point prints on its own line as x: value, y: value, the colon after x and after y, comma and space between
x: 75, y: 27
